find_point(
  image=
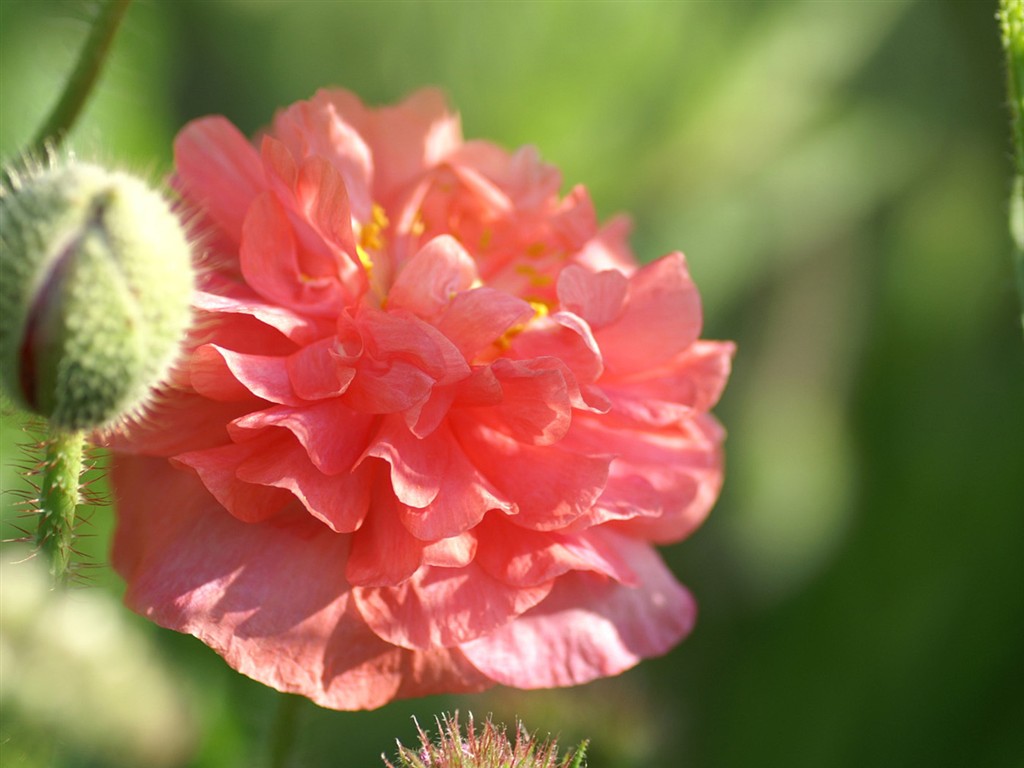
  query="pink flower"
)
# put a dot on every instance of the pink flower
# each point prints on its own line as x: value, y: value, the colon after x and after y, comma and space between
x: 431, y: 422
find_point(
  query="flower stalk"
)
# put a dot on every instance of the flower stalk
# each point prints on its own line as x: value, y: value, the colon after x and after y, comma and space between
x: 83, y: 77
x: 59, y: 496
x: 1011, y: 20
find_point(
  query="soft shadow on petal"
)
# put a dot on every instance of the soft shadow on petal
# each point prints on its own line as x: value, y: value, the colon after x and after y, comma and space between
x: 589, y: 627
x: 444, y: 606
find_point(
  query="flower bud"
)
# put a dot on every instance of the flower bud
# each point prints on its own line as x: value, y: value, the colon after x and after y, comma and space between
x: 95, y: 294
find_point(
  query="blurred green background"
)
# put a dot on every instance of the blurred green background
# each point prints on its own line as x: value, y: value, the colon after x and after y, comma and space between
x: 836, y: 173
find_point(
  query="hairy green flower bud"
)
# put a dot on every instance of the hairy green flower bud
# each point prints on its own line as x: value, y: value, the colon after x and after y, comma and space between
x: 95, y: 293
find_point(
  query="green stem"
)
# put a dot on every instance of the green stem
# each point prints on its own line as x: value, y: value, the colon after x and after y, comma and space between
x: 83, y: 78
x: 282, y: 734
x: 1011, y: 18
x: 59, y: 498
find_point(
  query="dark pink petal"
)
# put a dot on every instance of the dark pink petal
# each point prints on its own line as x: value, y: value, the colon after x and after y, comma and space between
x: 341, y: 501
x: 476, y: 319
x: 417, y: 465
x: 661, y: 318
x: 524, y: 558
x: 431, y: 279
x: 550, y: 487
x: 217, y: 467
x: 333, y: 435
x: 219, y: 171
x: 443, y: 606
x: 383, y: 553
x: 589, y: 627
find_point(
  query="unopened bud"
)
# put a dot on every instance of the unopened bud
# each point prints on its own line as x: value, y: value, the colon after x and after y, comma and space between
x: 96, y: 281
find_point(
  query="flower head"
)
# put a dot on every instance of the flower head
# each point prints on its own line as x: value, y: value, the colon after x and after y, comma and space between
x: 432, y: 421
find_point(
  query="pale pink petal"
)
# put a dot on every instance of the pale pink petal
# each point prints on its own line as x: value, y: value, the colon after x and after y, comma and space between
x: 319, y: 370
x: 442, y: 607
x: 455, y: 552
x: 688, y: 385
x: 609, y: 248
x: 273, y: 263
x: 662, y: 481
x: 597, y: 297
x: 222, y: 374
x: 293, y: 326
x: 218, y: 170
x: 433, y: 277
x: 478, y: 318
x: 661, y: 318
x: 589, y: 627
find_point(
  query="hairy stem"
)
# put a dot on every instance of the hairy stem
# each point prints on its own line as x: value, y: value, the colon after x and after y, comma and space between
x: 1011, y: 19
x: 58, y: 499
x: 83, y: 77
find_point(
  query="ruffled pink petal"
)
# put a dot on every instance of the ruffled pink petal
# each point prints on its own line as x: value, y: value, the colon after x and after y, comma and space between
x: 662, y: 481
x: 219, y: 171
x: 341, y: 501
x: 535, y: 406
x: 316, y: 128
x: 216, y: 468
x: 476, y: 319
x: 589, y: 627
x: 597, y: 297
x: 455, y: 552
x: 292, y: 325
x: 433, y: 277
x: 662, y: 317
x: 222, y: 374
x: 319, y: 370
x: 443, y: 607
x: 272, y: 600
x: 417, y: 465
x: 383, y: 552
x: 333, y: 435
x: 550, y: 487
x: 524, y: 558
x: 688, y: 385
x: 609, y: 248
x: 271, y: 261
x: 462, y: 500
x: 401, y: 336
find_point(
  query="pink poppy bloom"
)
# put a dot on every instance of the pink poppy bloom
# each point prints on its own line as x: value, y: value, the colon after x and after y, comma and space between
x: 431, y: 421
